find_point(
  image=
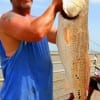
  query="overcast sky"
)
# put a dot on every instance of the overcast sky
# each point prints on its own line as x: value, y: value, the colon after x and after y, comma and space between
x: 93, y: 18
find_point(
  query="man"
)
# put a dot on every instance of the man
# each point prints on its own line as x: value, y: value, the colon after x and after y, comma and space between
x: 24, y: 52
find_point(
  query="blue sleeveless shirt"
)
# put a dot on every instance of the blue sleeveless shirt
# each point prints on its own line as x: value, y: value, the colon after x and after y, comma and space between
x: 28, y: 73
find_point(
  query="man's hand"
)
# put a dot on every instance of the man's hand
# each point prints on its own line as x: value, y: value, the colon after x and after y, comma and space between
x: 57, y: 4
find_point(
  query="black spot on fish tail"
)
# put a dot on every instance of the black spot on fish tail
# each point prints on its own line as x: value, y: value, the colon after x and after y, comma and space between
x: 77, y: 77
x: 79, y: 94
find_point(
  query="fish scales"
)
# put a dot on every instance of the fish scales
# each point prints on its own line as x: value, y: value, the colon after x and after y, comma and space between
x: 73, y: 44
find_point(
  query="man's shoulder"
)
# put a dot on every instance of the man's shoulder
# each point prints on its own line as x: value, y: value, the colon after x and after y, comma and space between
x: 8, y: 15
x: 4, y: 14
x: 2, y: 18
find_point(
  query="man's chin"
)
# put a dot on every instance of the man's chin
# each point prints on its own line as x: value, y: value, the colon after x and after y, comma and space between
x: 26, y: 6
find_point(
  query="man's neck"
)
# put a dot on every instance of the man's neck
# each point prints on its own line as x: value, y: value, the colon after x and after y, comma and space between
x: 23, y: 12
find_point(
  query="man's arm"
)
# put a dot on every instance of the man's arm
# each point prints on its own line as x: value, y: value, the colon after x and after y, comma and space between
x: 21, y: 28
x: 52, y: 35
